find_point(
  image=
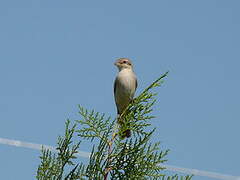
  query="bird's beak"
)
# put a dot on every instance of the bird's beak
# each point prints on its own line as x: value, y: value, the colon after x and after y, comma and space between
x: 115, y: 63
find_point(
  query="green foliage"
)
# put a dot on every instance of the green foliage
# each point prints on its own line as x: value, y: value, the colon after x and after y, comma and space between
x: 112, y: 157
x: 137, y: 115
x: 53, y: 165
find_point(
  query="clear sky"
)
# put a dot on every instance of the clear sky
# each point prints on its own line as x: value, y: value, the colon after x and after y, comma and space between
x: 56, y: 54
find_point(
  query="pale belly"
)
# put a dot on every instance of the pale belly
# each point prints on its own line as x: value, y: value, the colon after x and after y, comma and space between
x: 124, y: 91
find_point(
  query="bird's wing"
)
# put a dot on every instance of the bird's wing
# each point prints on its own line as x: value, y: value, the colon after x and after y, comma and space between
x: 114, y: 90
x: 115, y: 86
x: 136, y: 84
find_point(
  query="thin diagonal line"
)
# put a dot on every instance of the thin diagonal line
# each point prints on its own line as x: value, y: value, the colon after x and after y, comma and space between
x: 84, y: 154
x: 17, y: 143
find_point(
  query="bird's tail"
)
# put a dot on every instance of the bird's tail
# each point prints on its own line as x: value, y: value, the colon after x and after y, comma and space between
x: 126, y: 134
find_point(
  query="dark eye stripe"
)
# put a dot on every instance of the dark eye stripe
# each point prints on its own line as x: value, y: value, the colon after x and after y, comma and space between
x: 126, y: 62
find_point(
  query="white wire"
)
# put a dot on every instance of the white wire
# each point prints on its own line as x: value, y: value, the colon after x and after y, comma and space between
x: 196, y: 172
x: 17, y: 143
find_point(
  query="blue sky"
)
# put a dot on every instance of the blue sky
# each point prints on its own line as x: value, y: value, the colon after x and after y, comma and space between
x: 58, y: 54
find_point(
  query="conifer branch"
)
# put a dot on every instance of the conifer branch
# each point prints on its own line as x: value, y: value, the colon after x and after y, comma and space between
x: 111, y: 157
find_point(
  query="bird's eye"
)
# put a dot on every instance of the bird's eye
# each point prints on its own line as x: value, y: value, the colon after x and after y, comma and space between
x: 124, y: 62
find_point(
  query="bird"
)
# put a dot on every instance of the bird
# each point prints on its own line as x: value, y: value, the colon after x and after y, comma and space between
x: 125, y: 86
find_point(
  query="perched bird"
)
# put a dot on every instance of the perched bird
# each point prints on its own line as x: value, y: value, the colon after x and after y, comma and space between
x: 124, y: 87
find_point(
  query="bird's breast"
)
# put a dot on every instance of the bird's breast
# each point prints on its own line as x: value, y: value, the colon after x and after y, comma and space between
x: 126, y: 83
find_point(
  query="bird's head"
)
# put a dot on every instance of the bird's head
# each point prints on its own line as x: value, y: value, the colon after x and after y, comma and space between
x: 123, y: 63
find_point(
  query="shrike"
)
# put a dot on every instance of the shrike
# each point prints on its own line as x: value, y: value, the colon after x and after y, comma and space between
x: 124, y: 87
